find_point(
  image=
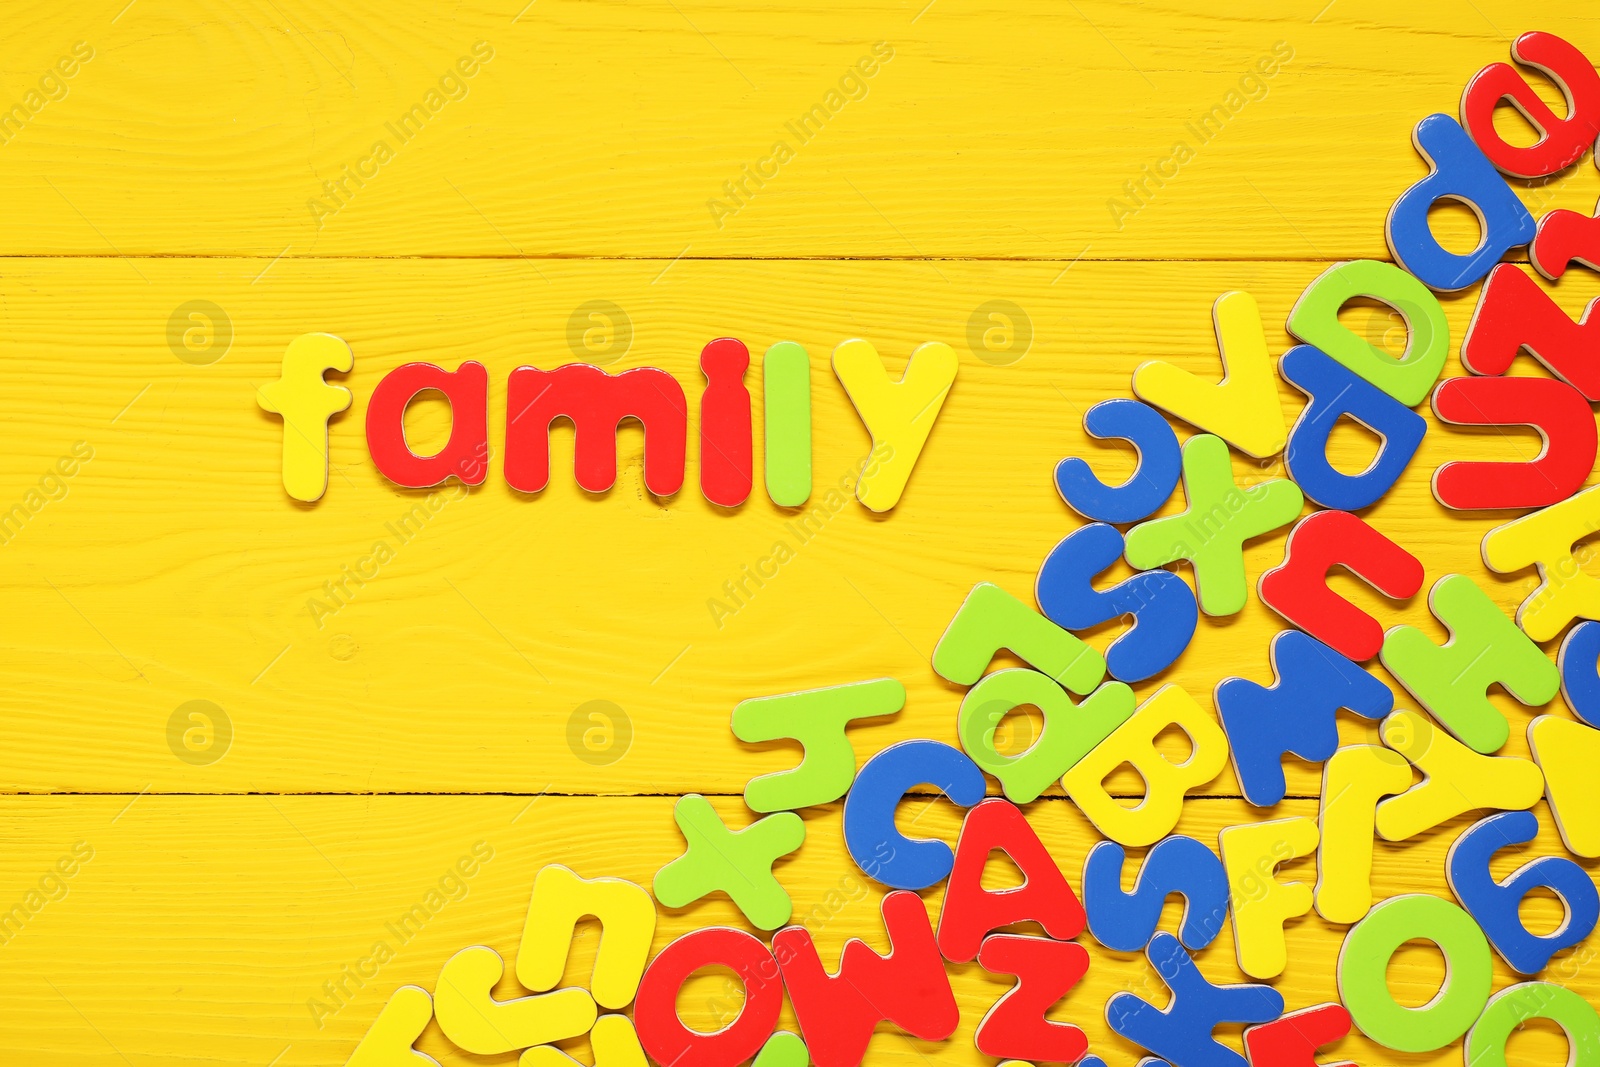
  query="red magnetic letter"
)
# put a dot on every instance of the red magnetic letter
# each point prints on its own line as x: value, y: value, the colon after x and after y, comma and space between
x: 595, y: 402
x: 726, y: 467
x: 1562, y: 141
x: 464, y: 456
x: 1513, y: 313
x: 908, y: 987
x: 1564, y: 238
x: 970, y: 911
x: 1560, y: 414
x: 655, y: 1010
x: 1293, y: 1040
x: 1015, y: 1028
x: 1298, y: 589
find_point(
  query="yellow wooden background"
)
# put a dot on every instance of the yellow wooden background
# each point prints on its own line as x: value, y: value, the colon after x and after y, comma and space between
x: 432, y: 711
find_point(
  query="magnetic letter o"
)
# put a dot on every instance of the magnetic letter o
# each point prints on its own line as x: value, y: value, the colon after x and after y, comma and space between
x: 655, y: 1011
x: 1364, y: 965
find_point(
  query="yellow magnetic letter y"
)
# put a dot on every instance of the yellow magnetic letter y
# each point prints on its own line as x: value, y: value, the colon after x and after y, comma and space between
x: 898, y: 415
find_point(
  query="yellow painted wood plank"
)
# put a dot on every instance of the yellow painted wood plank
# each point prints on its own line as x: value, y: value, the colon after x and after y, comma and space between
x: 169, y: 567
x: 610, y: 129
x: 172, y: 568
x: 174, y: 944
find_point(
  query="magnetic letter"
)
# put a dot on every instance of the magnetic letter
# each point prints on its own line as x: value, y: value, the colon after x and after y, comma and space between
x: 1046, y: 971
x: 1514, y: 313
x: 1457, y: 171
x: 726, y: 466
x: 1547, y: 539
x: 1070, y: 731
x: 898, y: 415
x: 398, y: 1026
x: 818, y: 719
x: 627, y: 923
x: 1494, y: 902
x: 1183, y: 1032
x: 1162, y: 607
x: 1151, y: 482
x: 1353, y: 781
x: 1364, y: 966
x: 1568, y: 752
x: 1296, y: 714
x: 1211, y: 532
x: 908, y: 987
x: 1293, y: 1040
x: 306, y: 403
x: 1242, y: 409
x: 1557, y: 410
x: 475, y: 1022
x: 463, y: 457
x: 596, y: 402
x: 1333, y: 393
x: 991, y: 619
x: 1125, y: 922
x: 1261, y: 904
x: 1455, y: 779
x: 1562, y: 141
x: 882, y: 852
x: 1565, y: 237
x: 737, y: 862
x: 971, y: 911
x: 786, y: 399
x: 1485, y: 647
x: 1511, y: 1008
x: 663, y: 1034
x: 1165, y: 782
x: 1315, y: 320
x: 1298, y: 588
x: 1579, y: 664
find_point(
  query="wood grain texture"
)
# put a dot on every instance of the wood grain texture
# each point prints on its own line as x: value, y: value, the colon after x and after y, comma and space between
x: 182, y: 160
x: 231, y: 942
x: 176, y: 569
x: 605, y: 129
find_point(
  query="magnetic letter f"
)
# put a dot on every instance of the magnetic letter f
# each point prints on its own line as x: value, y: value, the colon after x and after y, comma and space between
x: 306, y: 403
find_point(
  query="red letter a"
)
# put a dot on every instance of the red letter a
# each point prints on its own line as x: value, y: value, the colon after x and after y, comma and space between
x: 970, y: 911
x: 464, y: 456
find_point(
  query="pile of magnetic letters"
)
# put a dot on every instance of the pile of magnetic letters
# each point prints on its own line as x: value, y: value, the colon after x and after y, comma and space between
x: 1430, y: 768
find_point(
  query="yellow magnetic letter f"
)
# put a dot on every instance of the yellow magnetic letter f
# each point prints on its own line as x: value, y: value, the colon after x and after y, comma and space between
x: 306, y: 403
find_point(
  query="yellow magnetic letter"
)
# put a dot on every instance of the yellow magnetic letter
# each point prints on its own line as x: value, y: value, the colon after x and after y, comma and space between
x: 1353, y: 782
x: 627, y: 923
x: 1568, y: 752
x: 1545, y: 539
x: 1165, y: 782
x: 612, y: 1041
x: 1243, y: 408
x: 898, y: 415
x: 478, y: 1023
x: 306, y: 403
x: 1456, y: 779
x: 397, y: 1027
x: 1261, y: 905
